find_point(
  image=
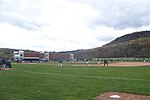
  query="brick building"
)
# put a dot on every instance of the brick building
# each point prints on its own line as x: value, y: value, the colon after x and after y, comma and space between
x: 56, y: 56
x: 34, y: 56
x: 37, y: 56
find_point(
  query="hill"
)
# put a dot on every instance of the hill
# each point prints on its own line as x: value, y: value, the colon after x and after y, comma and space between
x: 6, y: 53
x: 135, y: 44
x: 132, y: 36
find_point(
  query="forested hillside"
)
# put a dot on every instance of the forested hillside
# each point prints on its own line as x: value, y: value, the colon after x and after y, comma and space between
x: 136, y: 44
x: 6, y: 53
x: 132, y: 36
x: 131, y: 45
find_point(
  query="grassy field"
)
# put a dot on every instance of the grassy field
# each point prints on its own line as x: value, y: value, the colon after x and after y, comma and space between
x: 50, y: 82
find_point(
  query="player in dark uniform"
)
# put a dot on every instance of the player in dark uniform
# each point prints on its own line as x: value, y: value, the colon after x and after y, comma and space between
x: 60, y: 63
x: 105, y: 62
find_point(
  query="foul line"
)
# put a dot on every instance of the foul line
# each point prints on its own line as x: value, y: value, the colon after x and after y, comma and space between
x: 85, y: 76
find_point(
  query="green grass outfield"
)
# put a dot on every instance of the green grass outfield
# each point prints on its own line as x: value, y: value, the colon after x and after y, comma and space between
x: 49, y: 82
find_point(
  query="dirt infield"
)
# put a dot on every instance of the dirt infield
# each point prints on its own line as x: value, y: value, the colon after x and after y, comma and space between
x: 126, y: 64
x: 130, y: 64
x: 6, y: 68
x: 121, y: 96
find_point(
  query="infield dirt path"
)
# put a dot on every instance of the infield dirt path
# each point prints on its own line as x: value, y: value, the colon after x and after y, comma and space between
x: 130, y: 64
x: 127, y: 64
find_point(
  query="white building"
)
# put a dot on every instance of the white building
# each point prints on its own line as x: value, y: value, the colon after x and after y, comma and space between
x: 18, y: 55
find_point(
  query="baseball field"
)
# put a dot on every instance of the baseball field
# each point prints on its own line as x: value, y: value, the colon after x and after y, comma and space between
x: 47, y: 81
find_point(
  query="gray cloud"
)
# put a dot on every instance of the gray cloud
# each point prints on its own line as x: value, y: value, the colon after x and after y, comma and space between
x: 112, y: 13
x: 47, y: 37
x: 104, y: 38
x: 16, y: 14
x: 120, y: 14
x: 20, y: 22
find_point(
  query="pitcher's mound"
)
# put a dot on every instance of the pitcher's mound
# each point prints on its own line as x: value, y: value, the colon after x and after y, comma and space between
x: 121, y: 96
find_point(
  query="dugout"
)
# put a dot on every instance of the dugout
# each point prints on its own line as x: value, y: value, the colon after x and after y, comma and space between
x: 31, y: 59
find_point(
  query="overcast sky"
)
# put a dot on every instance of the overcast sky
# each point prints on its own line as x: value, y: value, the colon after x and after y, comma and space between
x: 60, y: 25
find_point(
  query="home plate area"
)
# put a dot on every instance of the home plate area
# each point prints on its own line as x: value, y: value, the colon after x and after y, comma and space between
x: 121, y: 96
